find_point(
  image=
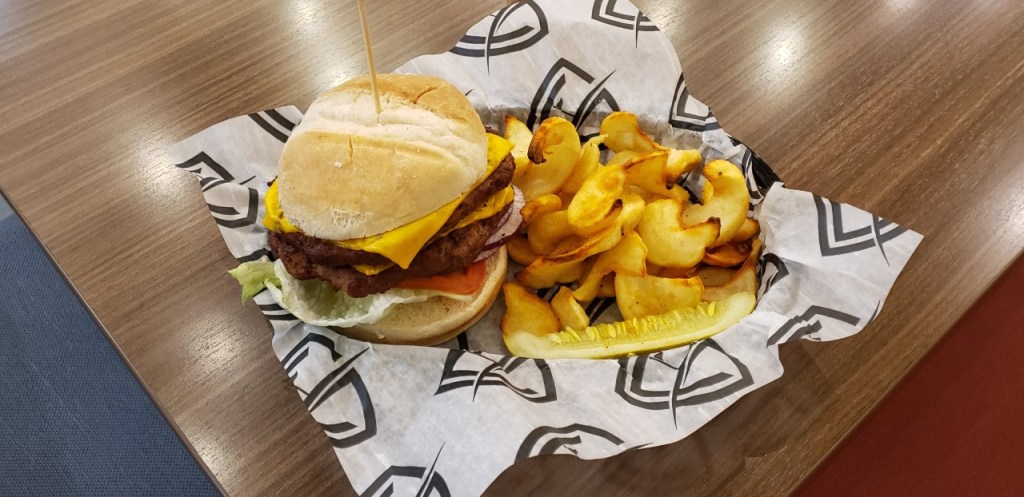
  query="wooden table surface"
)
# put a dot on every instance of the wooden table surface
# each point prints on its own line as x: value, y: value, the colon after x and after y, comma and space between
x: 909, y: 109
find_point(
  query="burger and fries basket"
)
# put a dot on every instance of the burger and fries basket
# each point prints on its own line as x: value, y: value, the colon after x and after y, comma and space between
x: 447, y: 420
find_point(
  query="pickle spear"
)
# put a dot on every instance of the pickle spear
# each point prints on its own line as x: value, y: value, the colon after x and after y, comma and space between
x: 633, y: 336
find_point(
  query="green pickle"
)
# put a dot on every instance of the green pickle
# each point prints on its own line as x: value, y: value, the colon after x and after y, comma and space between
x: 637, y: 335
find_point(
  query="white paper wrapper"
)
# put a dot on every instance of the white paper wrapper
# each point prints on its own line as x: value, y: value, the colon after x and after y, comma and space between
x: 447, y: 421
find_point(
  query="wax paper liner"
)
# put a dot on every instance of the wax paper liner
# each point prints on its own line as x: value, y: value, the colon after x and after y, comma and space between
x: 448, y: 420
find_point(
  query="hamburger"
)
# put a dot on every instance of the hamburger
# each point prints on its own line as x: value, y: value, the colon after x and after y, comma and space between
x: 390, y: 227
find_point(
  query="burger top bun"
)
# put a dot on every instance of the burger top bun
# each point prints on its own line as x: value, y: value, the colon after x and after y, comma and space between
x: 347, y: 172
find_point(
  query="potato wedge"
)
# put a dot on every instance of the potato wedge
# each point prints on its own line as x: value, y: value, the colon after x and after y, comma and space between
x: 597, y: 198
x: 728, y: 255
x: 743, y: 280
x: 627, y: 257
x: 553, y: 152
x: 669, y: 244
x: 519, y: 250
x: 526, y: 312
x: 639, y: 296
x: 570, y: 313
x: 544, y: 204
x: 520, y: 136
x: 586, y: 164
x: 624, y: 133
x: 607, y: 289
x: 728, y: 201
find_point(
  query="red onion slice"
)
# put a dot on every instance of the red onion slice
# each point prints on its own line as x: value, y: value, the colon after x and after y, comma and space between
x: 510, y: 224
x: 486, y: 253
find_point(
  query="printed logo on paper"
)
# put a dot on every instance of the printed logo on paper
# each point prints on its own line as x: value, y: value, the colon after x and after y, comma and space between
x: 623, y: 15
x: 410, y: 480
x: 666, y: 381
x: 802, y: 326
x: 351, y: 419
x: 529, y: 378
x: 274, y: 124
x: 771, y: 270
x: 834, y: 239
x: 495, y: 41
x: 688, y: 112
x: 574, y: 440
x: 566, y: 80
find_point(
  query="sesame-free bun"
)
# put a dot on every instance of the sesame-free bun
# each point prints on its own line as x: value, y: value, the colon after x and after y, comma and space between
x: 347, y: 172
x: 435, y: 320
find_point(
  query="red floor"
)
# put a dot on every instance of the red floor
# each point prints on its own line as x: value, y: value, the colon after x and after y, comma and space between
x: 955, y: 425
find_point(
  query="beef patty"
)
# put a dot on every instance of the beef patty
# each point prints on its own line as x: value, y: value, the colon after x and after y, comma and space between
x: 306, y: 257
x: 328, y: 254
x: 448, y: 254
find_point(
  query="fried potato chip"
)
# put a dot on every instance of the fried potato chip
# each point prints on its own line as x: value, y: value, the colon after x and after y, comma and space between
x: 545, y: 273
x: 639, y: 296
x: 681, y: 162
x: 743, y: 280
x: 627, y: 257
x: 651, y: 173
x: 544, y: 204
x: 519, y: 250
x: 547, y: 230
x: 553, y: 152
x: 596, y: 200
x: 728, y: 255
x: 569, y: 312
x: 520, y: 136
x: 624, y: 133
x: 714, y: 276
x: 626, y: 221
x: 526, y: 312
x: 607, y: 289
x: 678, y: 272
x: 748, y: 230
x: 728, y: 200
x: 669, y: 244
x: 588, y: 162
x: 622, y: 158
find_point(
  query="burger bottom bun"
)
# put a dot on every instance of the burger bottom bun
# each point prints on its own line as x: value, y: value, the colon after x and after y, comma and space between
x: 435, y: 320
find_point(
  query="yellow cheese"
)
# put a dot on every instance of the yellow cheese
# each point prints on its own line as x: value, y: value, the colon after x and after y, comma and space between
x: 370, y: 269
x: 275, y: 220
x: 494, y: 205
x: 403, y: 243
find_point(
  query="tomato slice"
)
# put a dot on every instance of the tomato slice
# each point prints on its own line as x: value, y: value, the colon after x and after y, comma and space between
x: 463, y: 283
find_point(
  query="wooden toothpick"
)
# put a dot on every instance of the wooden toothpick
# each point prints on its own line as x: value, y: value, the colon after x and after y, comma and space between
x: 369, y: 54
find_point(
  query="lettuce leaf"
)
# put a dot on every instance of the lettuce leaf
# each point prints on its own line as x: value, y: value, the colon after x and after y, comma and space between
x: 316, y: 303
x: 254, y: 276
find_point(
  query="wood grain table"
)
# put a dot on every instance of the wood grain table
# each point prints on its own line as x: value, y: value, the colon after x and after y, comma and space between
x: 910, y: 109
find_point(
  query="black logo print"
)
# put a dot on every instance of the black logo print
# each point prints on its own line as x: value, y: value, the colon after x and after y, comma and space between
x: 494, y: 43
x: 343, y: 380
x: 626, y: 17
x: 209, y: 171
x: 801, y: 326
x: 529, y: 378
x: 835, y: 240
x: 771, y: 270
x: 687, y: 112
x: 656, y: 383
x: 275, y: 312
x: 274, y: 124
x: 409, y: 480
x: 758, y: 174
x: 228, y: 216
x: 564, y: 78
x: 566, y: 440
x: 256, y: 255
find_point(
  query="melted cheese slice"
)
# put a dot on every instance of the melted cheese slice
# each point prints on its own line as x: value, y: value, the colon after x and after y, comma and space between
x: 401, y: 244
